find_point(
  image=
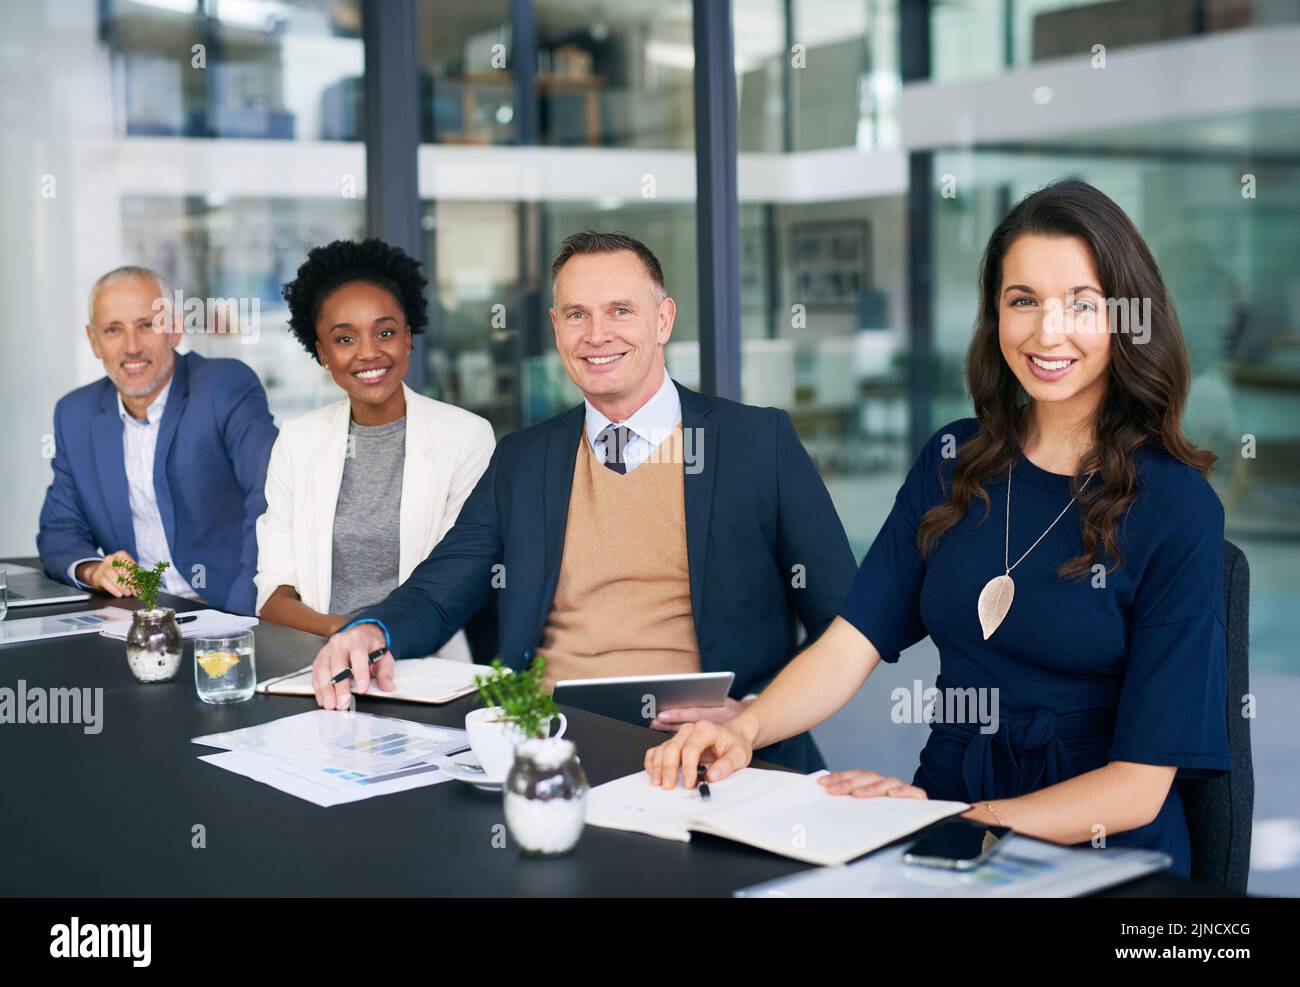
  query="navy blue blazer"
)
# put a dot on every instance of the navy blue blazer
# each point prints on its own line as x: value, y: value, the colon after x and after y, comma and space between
x: 209, y: 472
x: 763, y: 541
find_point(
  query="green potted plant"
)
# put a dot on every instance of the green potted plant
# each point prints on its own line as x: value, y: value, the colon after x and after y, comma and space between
x: 519, y: 698
x: 545, y: 788
x: 153, y: 643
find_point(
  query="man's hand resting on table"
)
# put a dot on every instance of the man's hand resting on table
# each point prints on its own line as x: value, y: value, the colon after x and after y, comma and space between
x: 672, y: 720
x: 351, y: 648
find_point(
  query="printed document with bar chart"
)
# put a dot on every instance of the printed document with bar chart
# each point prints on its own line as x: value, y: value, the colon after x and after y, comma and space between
x: 330, y: 757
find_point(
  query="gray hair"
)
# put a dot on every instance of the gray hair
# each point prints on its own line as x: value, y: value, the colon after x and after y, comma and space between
x: 121, y: 274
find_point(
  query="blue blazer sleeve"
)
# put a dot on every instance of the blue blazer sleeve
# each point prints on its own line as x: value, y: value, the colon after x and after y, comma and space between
x: 809, y: 534
x: 248, y: 433
x: 453, y: 583
x: 65, y: 535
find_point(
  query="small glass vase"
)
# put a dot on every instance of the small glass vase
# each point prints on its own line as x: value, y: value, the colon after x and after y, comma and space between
x: 546, y: 797
x: 154, y: 645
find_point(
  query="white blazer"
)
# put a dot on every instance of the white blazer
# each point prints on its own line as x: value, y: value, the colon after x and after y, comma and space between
x: 447, y: 450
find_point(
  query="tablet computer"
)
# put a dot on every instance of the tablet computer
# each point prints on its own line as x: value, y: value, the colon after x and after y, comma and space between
x: 637, y: 698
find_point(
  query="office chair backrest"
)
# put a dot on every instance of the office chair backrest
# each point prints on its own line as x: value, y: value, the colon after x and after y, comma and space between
x: 1220, y: 810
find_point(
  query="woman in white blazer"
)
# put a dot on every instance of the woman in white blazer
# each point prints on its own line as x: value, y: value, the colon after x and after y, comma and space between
x: 360, y: 491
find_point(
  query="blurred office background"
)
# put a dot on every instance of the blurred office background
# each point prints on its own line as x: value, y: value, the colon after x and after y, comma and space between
x: 879, y: 143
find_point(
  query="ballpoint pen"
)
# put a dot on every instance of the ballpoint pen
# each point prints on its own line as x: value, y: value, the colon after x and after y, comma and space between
x: 346, y: 674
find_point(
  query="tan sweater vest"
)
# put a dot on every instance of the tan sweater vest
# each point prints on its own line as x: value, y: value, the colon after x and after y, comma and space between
x: 623, y: 600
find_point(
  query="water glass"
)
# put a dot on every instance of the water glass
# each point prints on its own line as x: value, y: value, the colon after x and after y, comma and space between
x: 223, y: 668
x: 4, y: 594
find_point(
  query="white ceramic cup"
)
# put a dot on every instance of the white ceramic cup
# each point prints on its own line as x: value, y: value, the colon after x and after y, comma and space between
x: 493, y: 741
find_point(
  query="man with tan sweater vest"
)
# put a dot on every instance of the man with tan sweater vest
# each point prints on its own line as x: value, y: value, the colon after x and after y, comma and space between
x: 649, y: 530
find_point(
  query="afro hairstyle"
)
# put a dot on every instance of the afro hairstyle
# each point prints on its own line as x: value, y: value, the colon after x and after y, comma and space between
x: 344, y: 262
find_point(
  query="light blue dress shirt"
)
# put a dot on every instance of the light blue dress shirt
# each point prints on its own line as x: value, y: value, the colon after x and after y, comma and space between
x: 649, y: 425
x: 139, y: 443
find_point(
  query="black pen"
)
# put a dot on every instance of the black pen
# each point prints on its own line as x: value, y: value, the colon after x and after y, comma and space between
x: 702, y: 772
x: 186, y: 619
x: 346, y: 674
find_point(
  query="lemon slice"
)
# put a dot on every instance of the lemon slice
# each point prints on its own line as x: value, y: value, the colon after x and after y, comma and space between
x: 218, y: 662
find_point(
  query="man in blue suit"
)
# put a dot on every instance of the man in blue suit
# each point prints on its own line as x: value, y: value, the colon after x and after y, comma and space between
x: 162, y: 460
x: 650, y: 529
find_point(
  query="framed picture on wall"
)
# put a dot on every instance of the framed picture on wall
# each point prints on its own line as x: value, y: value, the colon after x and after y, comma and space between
x: 830, y: 263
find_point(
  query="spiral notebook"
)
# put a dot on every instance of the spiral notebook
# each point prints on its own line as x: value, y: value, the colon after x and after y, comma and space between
x: 192, y: 624
x: 419, y: 680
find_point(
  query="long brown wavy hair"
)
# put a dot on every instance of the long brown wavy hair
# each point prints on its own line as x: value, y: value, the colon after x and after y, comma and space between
x: 1146, y: 384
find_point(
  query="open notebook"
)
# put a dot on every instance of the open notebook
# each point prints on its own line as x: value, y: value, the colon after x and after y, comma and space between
x: 778, y: 811
x: 419, y: 680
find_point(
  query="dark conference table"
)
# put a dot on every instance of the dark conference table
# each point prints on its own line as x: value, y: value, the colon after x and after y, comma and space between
x: 112, y: 814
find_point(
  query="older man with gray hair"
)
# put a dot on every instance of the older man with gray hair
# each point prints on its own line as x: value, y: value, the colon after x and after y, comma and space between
x: 163, y: 459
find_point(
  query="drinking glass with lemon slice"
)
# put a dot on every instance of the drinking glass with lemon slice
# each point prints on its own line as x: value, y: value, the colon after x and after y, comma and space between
x: 223, y: 668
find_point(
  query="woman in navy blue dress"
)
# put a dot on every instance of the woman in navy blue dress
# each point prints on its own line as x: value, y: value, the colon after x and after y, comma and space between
x: 1064, y: 551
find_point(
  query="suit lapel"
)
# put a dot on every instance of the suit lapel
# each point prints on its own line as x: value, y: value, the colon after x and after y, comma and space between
x: 106, y: 430
x: 561, y: 447
x: 698, y: 488
x: 176, y: 398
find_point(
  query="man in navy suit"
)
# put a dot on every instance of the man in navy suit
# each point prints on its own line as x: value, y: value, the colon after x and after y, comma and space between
x: 162, y: 460
x: 762, y: 543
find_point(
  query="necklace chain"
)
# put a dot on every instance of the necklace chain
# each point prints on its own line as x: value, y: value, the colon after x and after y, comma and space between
x: 1006, y: 543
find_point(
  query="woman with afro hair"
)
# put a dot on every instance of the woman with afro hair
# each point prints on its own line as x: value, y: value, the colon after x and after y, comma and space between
x: 360, y: 491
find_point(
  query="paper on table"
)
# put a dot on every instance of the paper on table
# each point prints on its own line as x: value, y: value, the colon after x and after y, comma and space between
x: 1023, y: 868
x: 314, y: 785
x: 14, y: 569
x: 330, y: 757
x: 418, y: 680
x: 782, y: 812
x: 211, y: 623
x: 59, y: 625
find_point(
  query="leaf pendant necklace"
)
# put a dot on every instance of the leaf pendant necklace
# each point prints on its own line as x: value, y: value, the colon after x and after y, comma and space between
x: 997, y: 594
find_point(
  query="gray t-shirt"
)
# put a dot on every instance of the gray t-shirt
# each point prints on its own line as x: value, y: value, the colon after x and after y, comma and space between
x: 367, y: 521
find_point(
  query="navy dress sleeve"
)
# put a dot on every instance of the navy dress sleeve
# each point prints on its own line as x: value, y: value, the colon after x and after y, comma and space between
x: 1173, y: 701
x: 884, y: 602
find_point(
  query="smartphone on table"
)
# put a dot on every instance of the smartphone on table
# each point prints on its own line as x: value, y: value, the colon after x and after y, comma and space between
x: 957, y: 844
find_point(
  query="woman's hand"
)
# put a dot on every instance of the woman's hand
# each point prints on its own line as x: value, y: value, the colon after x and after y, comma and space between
x: 868, y: 784
x: 729, y: 748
